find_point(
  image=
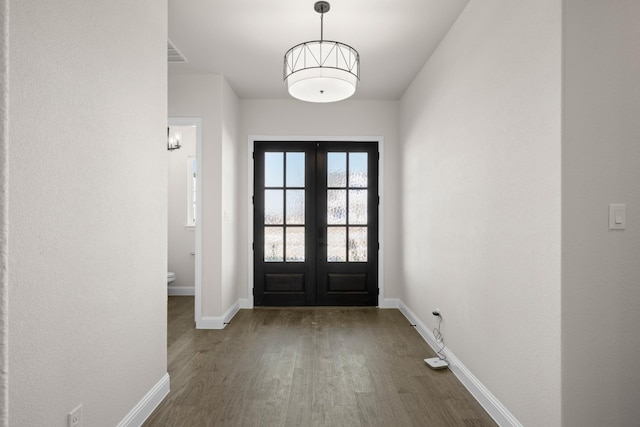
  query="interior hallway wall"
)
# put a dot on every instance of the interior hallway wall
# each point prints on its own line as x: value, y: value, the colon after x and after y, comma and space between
x: 480, y: 132
x: 601, y: 165
x: 4, y: 229
x: 88, y: 208
x: 231, y: 148
x: 199, y: 96
x: 210, y: 98
x: 348, y: 118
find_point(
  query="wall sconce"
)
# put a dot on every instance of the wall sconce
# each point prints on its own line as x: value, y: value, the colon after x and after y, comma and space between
x: 173, y: 143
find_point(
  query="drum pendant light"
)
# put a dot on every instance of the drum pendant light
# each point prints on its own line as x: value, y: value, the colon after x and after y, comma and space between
x: 321, y: 70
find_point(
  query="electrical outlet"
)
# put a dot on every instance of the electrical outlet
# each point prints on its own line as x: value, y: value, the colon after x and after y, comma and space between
x: 75, y: 417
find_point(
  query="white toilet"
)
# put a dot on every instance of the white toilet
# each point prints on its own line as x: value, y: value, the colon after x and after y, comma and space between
x: 170, y: 277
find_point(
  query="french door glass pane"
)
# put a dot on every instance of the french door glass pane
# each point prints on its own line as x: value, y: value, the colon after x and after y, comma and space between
x: 295, y: 244
x: 283, y: 205
x: 357, y: 244
x: 295, y: 207
x: 358, y: 170
x: 336, y: 169
x: 336, y: 244
x: 336, y: 207
x: 273, y: 169
x: 347, y: 206
x: 273, y: 207
x: 295, y: 169
x: 273, y: 244
x: 358, y: 213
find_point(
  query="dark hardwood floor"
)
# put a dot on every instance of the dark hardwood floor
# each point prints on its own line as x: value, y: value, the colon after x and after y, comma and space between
x: 307, y: 367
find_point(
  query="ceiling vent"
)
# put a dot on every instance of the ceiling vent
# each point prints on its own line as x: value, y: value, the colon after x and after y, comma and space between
x: 174, y: 56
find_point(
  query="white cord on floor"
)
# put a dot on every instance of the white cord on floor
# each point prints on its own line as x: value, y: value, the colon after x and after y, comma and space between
x: 439, y: 338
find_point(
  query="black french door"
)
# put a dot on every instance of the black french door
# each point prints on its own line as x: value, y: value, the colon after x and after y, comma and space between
x: 315, y: 223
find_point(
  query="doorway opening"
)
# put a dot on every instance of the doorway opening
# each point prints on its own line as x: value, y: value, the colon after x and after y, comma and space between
x: 315, y: 223
x: 186, y: 246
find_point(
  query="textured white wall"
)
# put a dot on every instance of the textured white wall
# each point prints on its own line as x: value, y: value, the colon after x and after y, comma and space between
x: 4, y: 229
x: 231, y: 146
x: 480, y: 128
x: 181, y: 239
x: 347, y: 118
x: 601, y: 165
x: 88, y: 211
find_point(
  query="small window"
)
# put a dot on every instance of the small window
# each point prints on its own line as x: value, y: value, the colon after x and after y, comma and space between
x: 191, y: 191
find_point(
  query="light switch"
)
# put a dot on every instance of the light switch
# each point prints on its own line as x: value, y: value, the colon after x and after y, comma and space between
x: 617, y: 216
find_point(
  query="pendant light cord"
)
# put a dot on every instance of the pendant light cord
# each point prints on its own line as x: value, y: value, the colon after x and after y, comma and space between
x: 321, y: 26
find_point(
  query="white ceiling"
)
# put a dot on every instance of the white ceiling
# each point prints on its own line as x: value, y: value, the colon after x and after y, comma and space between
x: 245, y: 40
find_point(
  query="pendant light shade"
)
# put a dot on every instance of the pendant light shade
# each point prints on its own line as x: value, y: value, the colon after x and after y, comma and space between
x: 321, y: 70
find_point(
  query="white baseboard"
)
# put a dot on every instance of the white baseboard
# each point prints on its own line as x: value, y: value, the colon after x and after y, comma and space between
x: 147, y: 405
x: 390, y: 303
x: 245, y: 303
x: 489, y: 402
x: 218, y: 322
x: 181, y: 291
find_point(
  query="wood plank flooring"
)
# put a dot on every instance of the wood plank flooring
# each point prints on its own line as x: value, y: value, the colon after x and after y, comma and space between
x: 307, y: 367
